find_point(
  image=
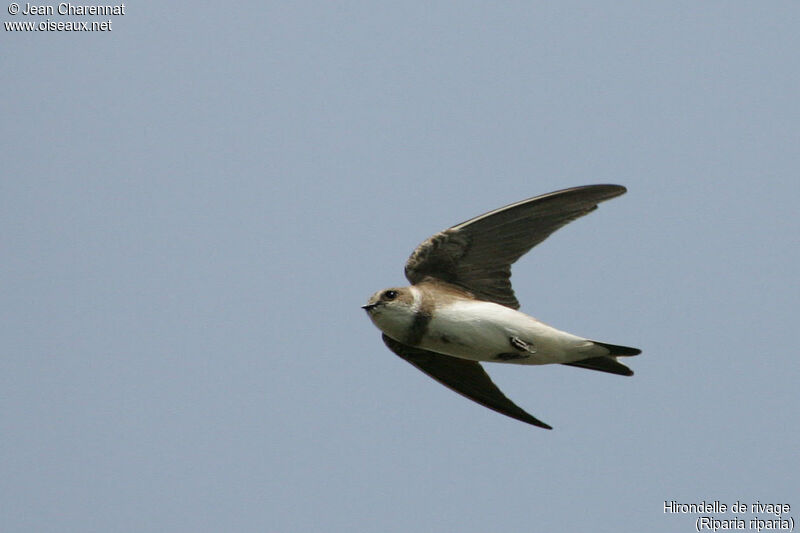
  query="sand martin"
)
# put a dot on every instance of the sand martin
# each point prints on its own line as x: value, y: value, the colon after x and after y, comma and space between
x: 460, y: 308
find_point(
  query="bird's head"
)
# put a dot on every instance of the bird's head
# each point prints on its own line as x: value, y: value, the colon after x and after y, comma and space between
x: 392, y: 310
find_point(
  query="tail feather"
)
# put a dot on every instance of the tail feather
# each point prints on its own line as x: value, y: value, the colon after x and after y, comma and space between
x: 603, y: 364
x: 615, y: 350
x: 608, y: 362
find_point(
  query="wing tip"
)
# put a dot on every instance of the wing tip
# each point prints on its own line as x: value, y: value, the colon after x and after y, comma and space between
x: 612, y: 190
x: 528, y: 419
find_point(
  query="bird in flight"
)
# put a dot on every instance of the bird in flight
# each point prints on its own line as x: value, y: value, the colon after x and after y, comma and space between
x: 460, y: 308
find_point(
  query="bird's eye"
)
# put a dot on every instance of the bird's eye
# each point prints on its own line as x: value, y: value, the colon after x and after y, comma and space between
x: 389, y: 295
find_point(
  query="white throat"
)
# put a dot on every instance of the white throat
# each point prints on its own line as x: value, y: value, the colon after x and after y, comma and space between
x: 395, y: 319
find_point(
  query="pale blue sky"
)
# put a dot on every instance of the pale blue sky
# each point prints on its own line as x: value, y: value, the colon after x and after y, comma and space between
x: 194, y: 205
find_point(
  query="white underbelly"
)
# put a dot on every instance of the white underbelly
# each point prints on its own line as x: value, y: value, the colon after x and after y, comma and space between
x: 483, y: 330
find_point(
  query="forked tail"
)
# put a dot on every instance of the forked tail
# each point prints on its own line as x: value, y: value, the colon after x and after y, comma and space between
x: 608, y: 363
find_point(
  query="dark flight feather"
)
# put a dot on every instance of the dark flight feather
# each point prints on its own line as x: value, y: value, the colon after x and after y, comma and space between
x: 467, y: 378
x: 477, y: 254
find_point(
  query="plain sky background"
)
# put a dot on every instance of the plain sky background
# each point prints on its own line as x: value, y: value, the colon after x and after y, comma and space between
x: 194, y: 205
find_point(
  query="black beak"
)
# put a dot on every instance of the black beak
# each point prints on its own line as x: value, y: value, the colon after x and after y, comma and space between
x: 369, y: 307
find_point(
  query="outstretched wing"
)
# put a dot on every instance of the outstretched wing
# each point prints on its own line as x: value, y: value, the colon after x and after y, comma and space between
x: 478, y: 254
x: 467, y: 378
